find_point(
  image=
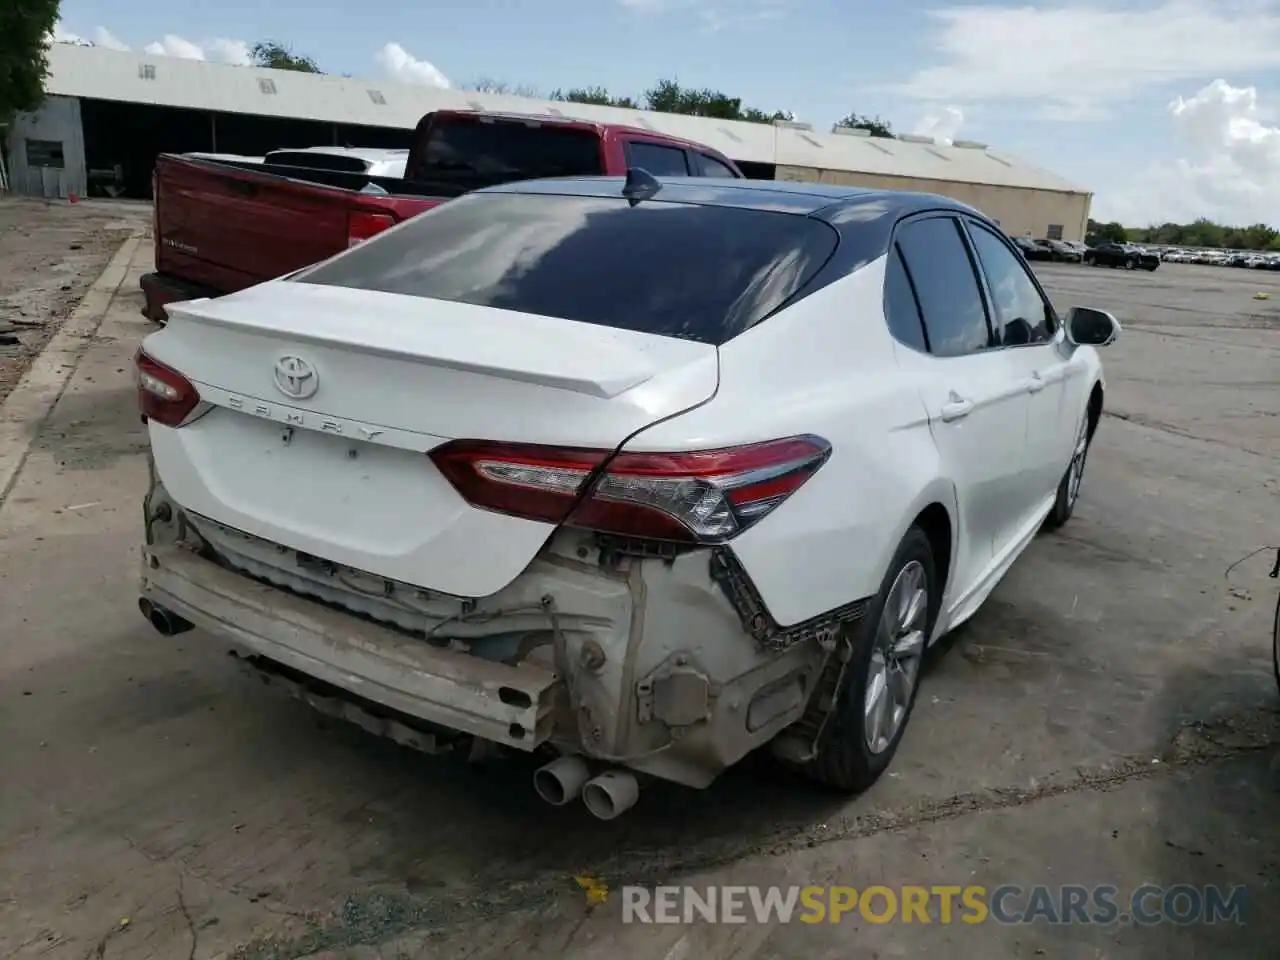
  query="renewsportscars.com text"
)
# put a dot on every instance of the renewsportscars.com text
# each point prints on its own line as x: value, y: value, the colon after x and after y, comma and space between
x: 1144, y: 905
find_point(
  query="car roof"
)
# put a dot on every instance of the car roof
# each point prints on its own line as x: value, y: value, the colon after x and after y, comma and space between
x: 837, y: 204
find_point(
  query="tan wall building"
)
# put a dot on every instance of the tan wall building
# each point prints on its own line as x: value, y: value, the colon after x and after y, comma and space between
x: 52, y: 155
x: 1020, y: 211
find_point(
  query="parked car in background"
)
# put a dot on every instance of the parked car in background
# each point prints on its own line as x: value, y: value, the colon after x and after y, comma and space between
x: 222, y: 225
x: 1032, y: 250
x: 589, y: 486
x: 1127, y: 255
x: 1064, y: 251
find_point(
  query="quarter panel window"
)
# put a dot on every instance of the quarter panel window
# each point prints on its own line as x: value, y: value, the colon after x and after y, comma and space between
x: 946, y: 287
x: 901, y: 312
x: 1021, y: 314
x: 711, y: 167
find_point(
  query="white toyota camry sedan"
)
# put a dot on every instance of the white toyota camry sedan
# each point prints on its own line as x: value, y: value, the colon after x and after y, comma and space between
x: 640, y: 475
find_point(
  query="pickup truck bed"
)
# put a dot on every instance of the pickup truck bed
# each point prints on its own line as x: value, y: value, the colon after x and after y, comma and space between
x: 223, y: 225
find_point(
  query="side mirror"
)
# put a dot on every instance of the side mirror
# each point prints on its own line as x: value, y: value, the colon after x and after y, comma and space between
x: 1091, y: 328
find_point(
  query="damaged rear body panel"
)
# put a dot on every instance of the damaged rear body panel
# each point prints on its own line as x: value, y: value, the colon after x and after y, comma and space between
x: 664, y: 664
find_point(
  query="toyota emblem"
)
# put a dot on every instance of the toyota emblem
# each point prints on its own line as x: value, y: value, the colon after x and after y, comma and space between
x: 296, y: 377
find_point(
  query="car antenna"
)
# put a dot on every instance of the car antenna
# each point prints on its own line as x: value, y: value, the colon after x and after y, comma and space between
x: 640, y: 185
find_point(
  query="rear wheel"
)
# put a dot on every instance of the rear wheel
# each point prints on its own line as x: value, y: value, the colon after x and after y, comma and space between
x: 1130, y: 264
x: 878, y: 690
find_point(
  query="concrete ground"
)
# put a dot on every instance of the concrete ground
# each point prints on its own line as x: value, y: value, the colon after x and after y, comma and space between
x: 1109, y: 718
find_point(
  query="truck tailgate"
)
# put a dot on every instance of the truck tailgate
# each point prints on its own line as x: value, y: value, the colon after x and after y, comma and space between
x: 242, y: 222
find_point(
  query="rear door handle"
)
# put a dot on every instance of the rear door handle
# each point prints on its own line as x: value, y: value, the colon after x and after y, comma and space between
x: 956, y: 407
x: 1035, y: 384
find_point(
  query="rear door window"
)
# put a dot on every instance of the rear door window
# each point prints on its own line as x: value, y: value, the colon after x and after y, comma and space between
x: 659, y: 160
x: 515, y: 150
x: 946, y: 286
x: 703, y: 273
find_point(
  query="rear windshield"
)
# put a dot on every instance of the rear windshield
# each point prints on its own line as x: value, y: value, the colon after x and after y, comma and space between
x: 317, y: 161
x: 519, y: 150
x: 703, y: 273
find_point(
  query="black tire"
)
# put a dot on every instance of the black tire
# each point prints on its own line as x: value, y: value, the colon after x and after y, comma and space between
x: 1275, y: 645
x: 1064, y: 504
x: 1130, y: 264
x: 1090, y: 261
x: 843, y: 759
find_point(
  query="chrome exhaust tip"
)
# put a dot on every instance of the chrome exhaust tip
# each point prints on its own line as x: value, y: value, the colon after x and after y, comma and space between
x: 560, y: 781
x: 166, y: 622
x: 611, y: 794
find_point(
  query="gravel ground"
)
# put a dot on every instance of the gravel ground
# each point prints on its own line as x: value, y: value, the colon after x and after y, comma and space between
x: 1108, y: 717
x: 49, y: 255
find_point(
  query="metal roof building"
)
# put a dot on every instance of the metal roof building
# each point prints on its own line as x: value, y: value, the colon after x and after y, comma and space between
x: 83, y: 79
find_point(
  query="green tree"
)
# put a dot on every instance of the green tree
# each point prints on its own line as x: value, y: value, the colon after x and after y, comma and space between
x: 1199, y: 233
x: 876, y: 126
x: 1106, y: 232
x: 667, y: 96
x: 490, y: 85
x: 278, y: 56
x: 25, y: 27
x: 597, y: 96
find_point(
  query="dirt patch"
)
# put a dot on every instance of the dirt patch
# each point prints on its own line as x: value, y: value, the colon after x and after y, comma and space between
x: 50, y: 254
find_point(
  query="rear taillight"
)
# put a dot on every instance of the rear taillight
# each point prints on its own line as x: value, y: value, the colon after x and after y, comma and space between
x: 361, y: 225
x: 705, y: 496
x: 164, y: 395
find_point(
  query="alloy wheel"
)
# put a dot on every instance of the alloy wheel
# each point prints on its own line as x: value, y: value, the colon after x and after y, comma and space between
x: 898, y: 647
x: 1075, y: 473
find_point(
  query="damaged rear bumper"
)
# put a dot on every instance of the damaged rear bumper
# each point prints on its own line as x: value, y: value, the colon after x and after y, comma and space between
x: 511, y: 705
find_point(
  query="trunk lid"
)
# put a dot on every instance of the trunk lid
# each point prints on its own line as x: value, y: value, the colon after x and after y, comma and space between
x: 332, y: 462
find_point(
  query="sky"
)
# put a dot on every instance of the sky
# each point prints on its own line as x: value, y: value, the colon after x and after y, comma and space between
x: 1165, y: 110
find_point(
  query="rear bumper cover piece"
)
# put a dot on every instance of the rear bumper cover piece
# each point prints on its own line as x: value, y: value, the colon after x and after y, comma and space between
x: 506, y: 704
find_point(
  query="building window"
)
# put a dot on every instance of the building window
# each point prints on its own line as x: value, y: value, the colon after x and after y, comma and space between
x: 45, y: 153
x: 146, y: 71
x: 266, y: 85
x: 1055, y: 231
x: 377, y: 97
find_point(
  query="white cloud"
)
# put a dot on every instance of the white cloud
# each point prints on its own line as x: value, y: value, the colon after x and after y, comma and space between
x: 220, y: 49
x: 1075, y: 59
x: 942, y: 124
x: 61, y: 35
x: 102, y: 37
x: 229, y: 51
x: 400, y: 65
x: 172, y: 46
x: 1231, y: 171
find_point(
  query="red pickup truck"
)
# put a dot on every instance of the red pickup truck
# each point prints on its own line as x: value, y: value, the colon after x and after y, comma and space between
x: 223, y: 225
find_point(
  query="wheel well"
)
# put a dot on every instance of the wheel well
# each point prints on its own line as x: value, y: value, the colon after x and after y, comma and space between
x: 936, y: 524
x: 1095, y: 408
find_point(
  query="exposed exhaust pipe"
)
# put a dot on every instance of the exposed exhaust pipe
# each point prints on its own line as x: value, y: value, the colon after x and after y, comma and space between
x: 168, y: 623
x: 560, y: 781
x: 611, y: 794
